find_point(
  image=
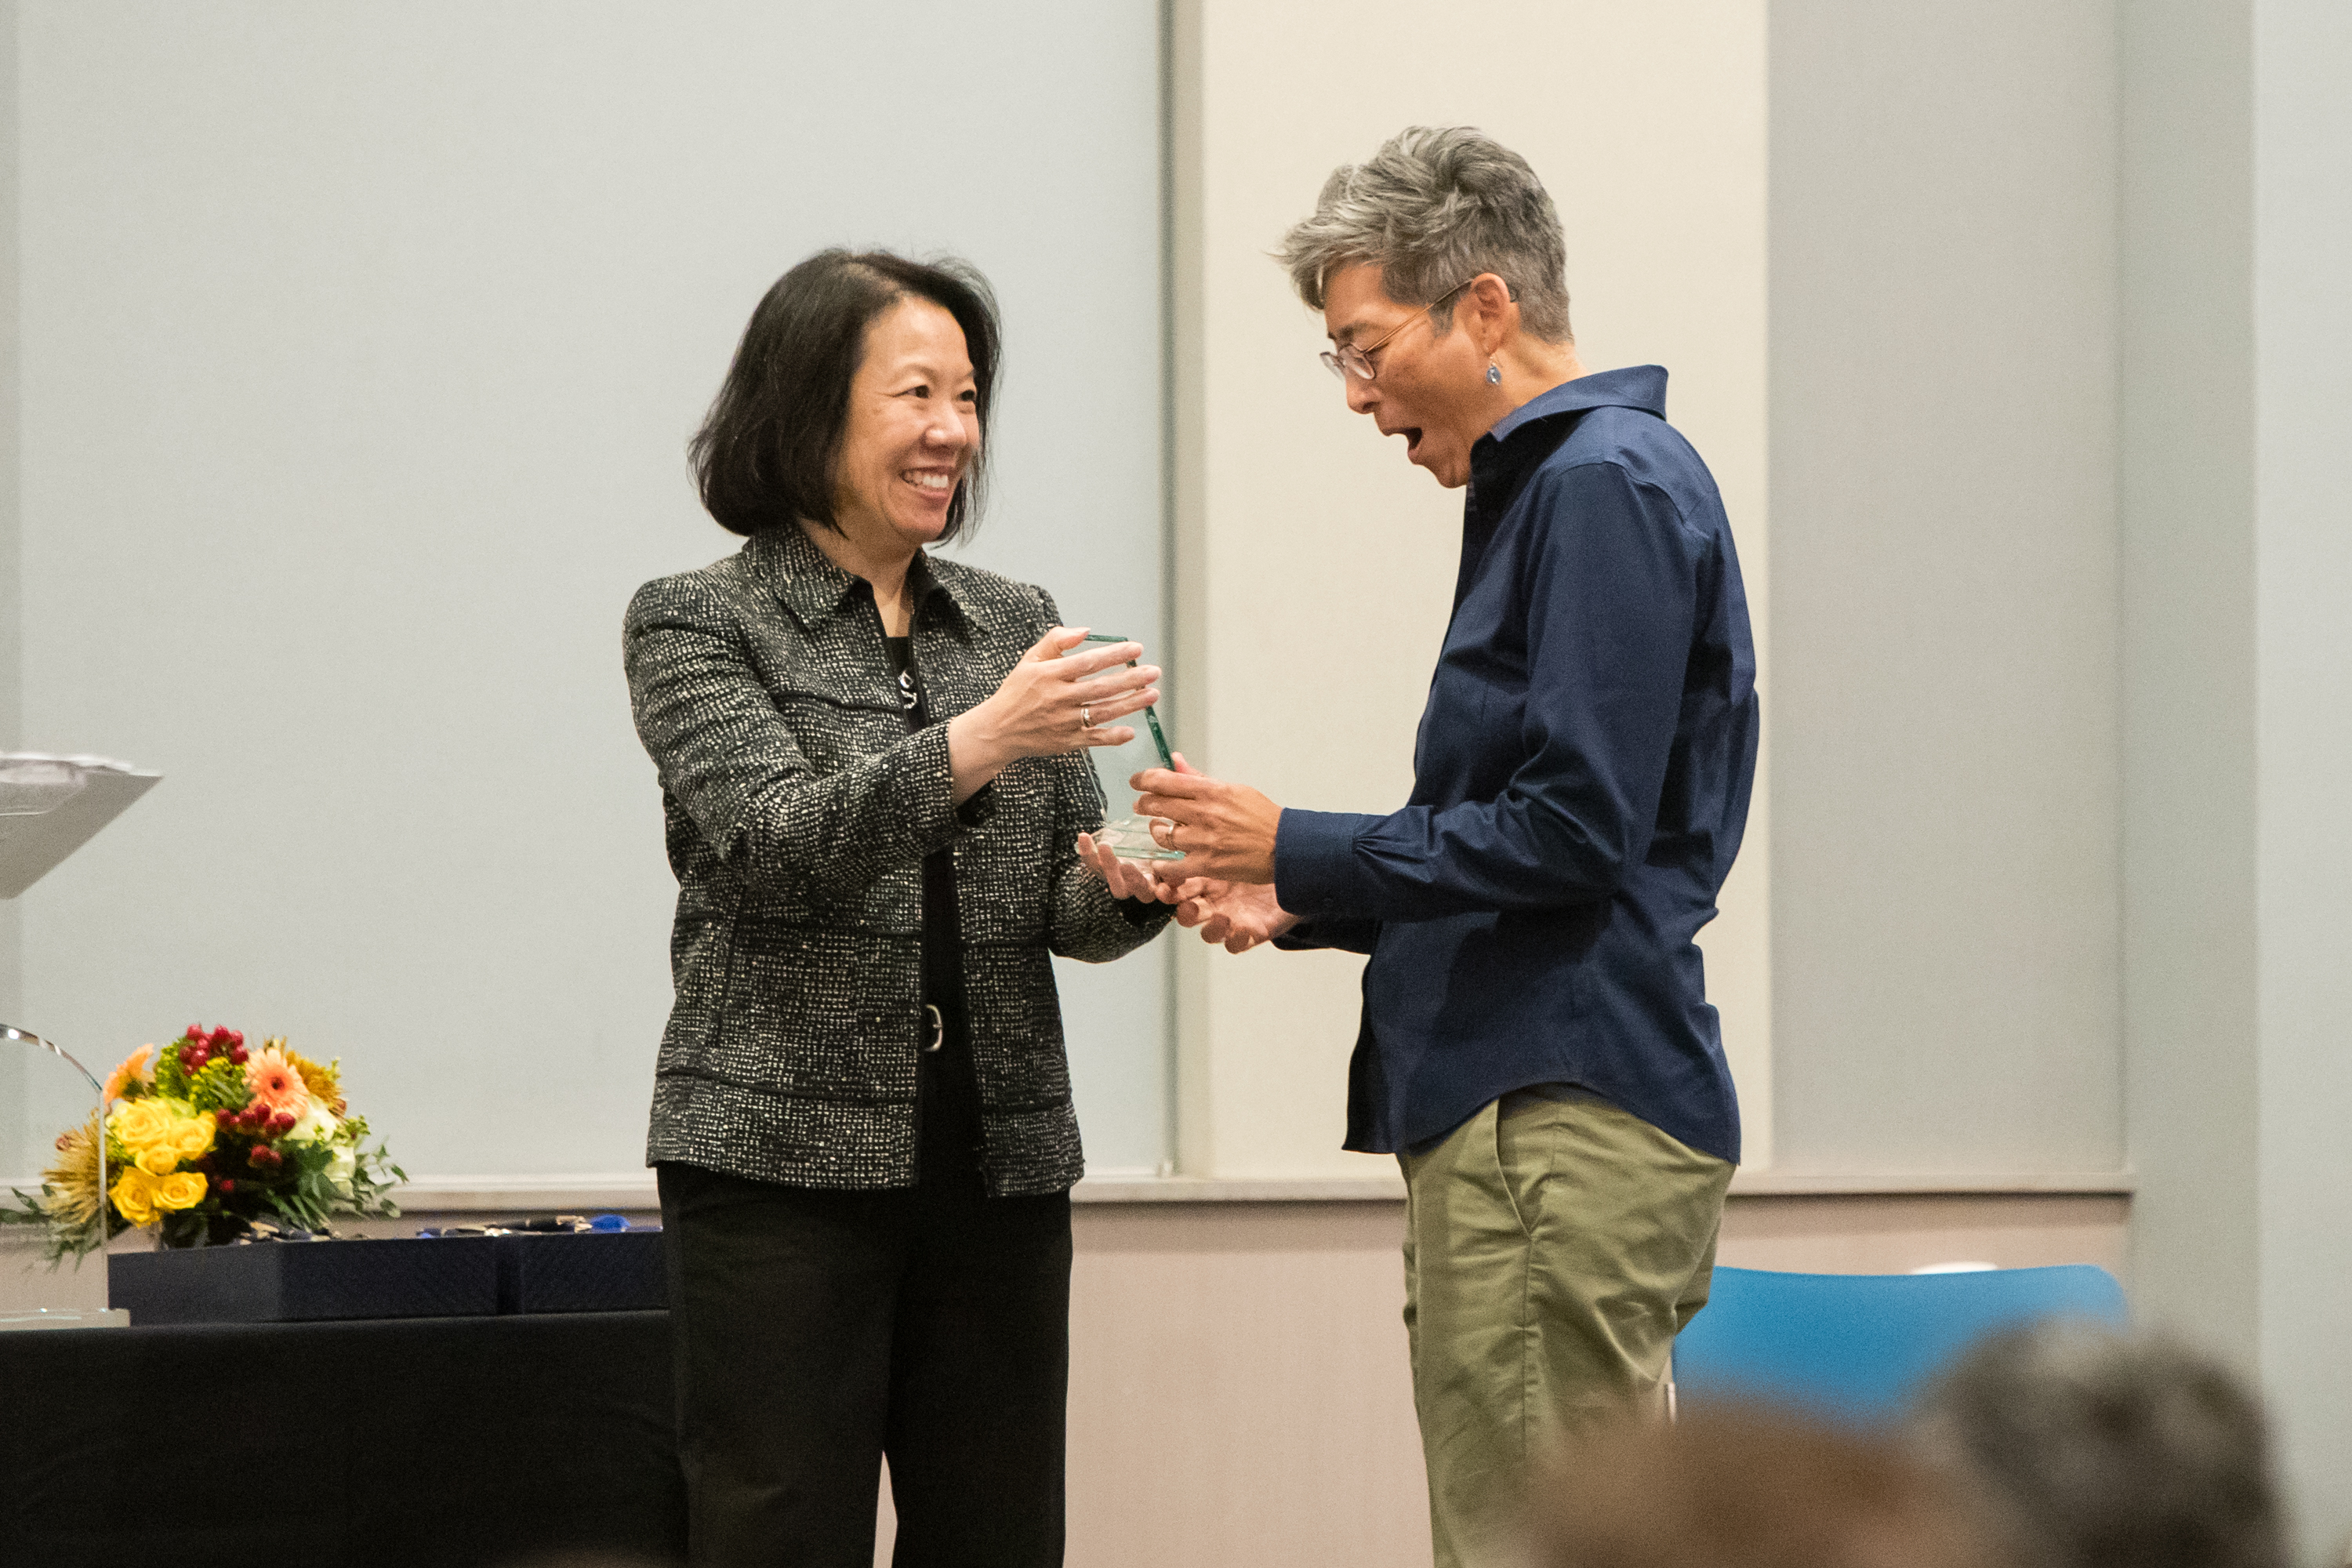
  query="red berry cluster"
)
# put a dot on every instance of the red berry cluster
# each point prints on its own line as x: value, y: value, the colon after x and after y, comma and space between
x: 255, y: 1121
x: 262, y: 1157
x: 200, y: 1046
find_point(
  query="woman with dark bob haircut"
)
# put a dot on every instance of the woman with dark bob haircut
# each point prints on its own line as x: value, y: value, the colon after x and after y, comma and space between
x: 877, y: 803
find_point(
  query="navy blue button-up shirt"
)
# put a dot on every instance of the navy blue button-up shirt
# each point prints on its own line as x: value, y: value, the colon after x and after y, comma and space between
x: 1581, y: 783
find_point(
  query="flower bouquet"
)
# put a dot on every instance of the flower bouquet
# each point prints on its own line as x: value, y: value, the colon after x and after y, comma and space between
x: 208, y: 1142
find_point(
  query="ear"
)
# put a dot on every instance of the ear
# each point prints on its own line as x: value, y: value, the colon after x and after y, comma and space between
x: 1493, y: 314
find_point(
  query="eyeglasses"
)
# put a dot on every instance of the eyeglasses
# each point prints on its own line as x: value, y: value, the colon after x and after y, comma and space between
x: 1350, y: 359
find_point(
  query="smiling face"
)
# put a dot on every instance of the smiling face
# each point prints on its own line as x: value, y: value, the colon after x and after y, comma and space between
x: 1428, y: 386
x: 912, y: 432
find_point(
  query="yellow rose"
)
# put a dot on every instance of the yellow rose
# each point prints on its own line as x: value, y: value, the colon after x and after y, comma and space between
x: 184, y: 1191
x: 139, y: 1123
x: 134, y: 1197
x: 157, y: 1160
x: 191, y: 1136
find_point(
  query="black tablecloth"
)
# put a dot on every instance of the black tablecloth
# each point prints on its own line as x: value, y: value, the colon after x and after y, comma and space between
x: 469, y: 1442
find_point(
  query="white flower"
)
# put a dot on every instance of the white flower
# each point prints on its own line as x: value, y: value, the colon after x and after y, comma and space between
x: 342, y: 1168
x: 317, y: 1125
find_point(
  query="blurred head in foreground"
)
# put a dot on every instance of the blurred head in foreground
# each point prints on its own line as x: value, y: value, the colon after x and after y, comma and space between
x: 2092, y: 1449
x: 1749, y: 1489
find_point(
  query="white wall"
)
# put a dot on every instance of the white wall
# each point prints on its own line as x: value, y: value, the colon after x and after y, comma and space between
x: 16, y: 1066
x: 2238, y: 231
x: 2303, y: 478
x: 1945, y: 569
x: 1315, y: 565
x: 360, y: 346
x: 2192, y: 1025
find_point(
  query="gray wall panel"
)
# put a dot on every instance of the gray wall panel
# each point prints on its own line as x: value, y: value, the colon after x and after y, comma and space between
x: 2302, y: 203
x: 15, y: 1063
x: 2189, y: 885
x: 1944, y: 570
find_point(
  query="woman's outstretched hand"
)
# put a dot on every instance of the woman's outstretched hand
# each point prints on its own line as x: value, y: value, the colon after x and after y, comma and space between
x: 1048, y: 704
x: 1126, y: 879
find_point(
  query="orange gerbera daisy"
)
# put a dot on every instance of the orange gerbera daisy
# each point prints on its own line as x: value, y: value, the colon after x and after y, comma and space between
x: 276, y: 1083
x: 132, y: 1068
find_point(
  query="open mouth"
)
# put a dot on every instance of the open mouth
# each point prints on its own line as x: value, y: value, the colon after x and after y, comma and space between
x: 930, y: 482
x: 1411, y: 434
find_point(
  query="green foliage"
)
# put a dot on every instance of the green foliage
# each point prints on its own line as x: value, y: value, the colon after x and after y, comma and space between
x: 220, y: 1087
x: 307, y: 1194
x: 171, y: 1073
x: 183, y: 1227
x: 21, y: 1207
x: 60, y: 1240
x: 371, y: 1184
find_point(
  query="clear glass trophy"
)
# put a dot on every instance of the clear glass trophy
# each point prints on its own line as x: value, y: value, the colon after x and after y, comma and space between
x: 1127, y: 834
x: 49, y: 806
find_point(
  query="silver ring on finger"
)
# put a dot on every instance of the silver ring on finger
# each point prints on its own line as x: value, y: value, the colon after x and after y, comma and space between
x: 1085, y: 716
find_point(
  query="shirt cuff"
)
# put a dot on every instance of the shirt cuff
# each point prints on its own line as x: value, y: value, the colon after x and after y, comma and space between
x: 1317, y: 874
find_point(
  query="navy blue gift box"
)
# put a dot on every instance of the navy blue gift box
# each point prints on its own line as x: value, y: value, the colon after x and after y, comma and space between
x: 589, y: 1271
x: 447, y: 1277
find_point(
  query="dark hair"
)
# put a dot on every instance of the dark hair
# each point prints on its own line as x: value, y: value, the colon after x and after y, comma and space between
x: 2094, y: 1449
x: 765, y: 452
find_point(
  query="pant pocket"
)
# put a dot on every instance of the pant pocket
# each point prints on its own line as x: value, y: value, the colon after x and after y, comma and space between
x: 1528, y: 1125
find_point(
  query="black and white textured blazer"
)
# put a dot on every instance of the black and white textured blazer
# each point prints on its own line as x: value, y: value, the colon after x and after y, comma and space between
x: 799, y: 810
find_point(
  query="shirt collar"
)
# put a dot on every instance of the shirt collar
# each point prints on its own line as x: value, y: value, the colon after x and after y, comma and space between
x: 1642, y: 386
x: 812, y: 587
x: 1502, y: 459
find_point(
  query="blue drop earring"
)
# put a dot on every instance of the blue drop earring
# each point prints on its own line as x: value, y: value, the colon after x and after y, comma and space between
x: 1494, y: 374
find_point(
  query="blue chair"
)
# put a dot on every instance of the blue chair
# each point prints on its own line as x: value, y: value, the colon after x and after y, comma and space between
x: 1855, y: 1347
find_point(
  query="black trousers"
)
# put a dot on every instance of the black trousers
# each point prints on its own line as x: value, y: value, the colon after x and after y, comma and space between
x: 816, y: 1332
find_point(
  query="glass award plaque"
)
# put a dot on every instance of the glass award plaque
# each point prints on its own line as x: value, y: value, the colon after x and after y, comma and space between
x: 1127, y: 834
x: 49, y: 806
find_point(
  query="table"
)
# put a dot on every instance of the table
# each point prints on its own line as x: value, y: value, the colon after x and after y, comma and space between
x: 464, y: 1442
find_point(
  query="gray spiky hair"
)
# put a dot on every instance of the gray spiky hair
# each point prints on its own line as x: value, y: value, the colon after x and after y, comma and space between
x: 1432, y: 209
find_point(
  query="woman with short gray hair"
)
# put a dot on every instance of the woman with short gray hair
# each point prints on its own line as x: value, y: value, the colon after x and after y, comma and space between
x: 1537, y: 1046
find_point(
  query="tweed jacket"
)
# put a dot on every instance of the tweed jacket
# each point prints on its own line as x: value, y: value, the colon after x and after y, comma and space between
x: 799, y: 810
